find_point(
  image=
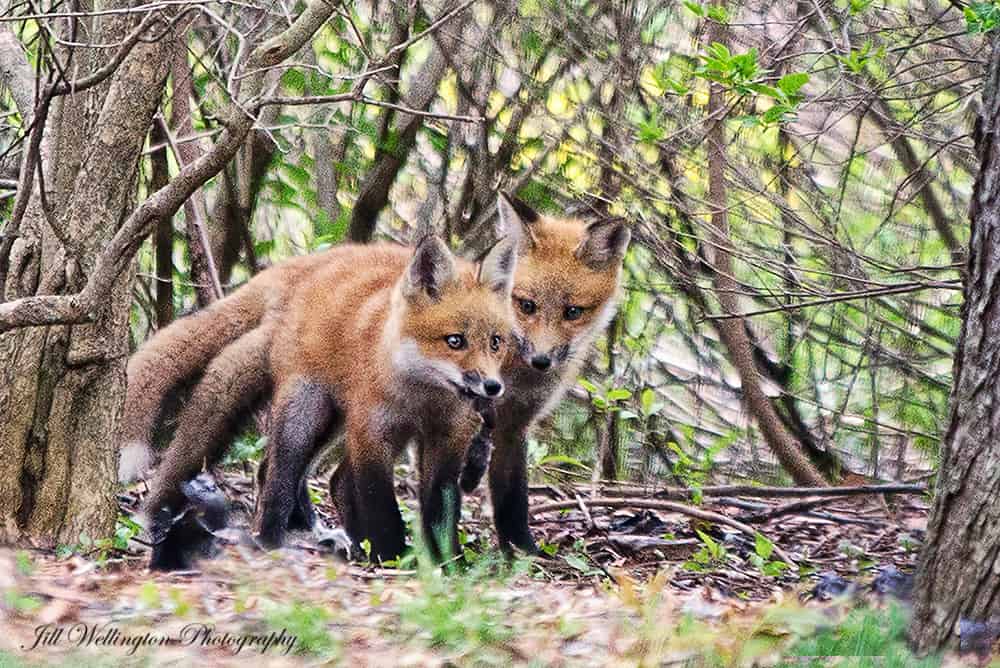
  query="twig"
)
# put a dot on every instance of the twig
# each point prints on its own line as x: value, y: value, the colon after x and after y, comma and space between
x: 820, y: 515
x: 800, y: 506
x: 861, y: 294
x: 750, y: 490
x: 358, y: 97
x: 668, y: 506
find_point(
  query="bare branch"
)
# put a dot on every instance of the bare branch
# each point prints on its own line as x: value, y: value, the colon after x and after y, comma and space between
x: 117, y: 255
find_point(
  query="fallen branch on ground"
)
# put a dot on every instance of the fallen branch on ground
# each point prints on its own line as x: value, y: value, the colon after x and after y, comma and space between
x: 763, y: 512
x: 655, y: 504
x: 750, y: 490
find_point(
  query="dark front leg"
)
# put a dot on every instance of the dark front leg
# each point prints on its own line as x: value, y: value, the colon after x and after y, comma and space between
x: 303, y: 517
x: 365, y: 498
x: 440, y: 501
x: 302, y: 419
x: 509, y: 490
x: 477, y: 457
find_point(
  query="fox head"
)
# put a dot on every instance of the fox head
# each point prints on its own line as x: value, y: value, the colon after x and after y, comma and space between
x: 566, y: 282
x: 455, y: 318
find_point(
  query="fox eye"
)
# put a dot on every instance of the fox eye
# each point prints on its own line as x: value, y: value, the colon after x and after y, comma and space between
x: 455, y: 341
x: 528, y: 307
x: 573, y: 312
x: 495, y: 342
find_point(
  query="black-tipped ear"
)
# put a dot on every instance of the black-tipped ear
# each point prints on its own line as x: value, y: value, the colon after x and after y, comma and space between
x: 430, y: 270
x: 516, y: 218
x: 496, y: 266
x: 605, y: 243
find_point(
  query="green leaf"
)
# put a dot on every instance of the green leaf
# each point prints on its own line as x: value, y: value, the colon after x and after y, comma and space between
x: 294, y: 81
x: 764, y: 89
x: 695, y: 8
x: 718, y: 14
x: 618, y: 394
x: 774, y: 568
x: 981, y: 17
x: 562, y: 459
x: 577, y: 562
x: 791, y: 83
x: 762, y: 546
x: 776, y: 114
x: 587, y: 385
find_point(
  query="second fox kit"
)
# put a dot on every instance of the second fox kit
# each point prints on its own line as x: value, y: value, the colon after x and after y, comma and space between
x: 389, y: 345
x: 566, y: 290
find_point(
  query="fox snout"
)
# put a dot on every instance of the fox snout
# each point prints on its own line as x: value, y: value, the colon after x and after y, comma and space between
x: 478, y: 385
x: 542, y: 359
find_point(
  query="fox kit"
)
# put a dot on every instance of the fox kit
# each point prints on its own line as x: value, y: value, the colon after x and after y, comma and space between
x: 389, y: 345
x: 566, y: 290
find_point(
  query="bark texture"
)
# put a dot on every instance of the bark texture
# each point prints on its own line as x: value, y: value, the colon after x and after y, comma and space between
x: 67, y: 274
x: 62, y: 386
x: 957, y: 577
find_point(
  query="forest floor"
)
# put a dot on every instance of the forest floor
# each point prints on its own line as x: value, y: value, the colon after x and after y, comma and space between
x: 617, y: 587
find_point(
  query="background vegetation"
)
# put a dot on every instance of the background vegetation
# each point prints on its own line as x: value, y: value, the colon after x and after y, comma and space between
x: 847, y: 159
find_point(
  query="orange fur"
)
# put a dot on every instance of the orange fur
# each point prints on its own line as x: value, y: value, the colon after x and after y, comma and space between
x: 355, y: 338
x: 179, y: 353
x: 383, y: 354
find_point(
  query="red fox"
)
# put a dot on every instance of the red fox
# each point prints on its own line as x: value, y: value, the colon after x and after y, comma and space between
x: 387, y: 344
x: 566, y: 290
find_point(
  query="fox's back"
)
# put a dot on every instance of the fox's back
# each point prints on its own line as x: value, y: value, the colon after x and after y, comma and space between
x: 336, y: 312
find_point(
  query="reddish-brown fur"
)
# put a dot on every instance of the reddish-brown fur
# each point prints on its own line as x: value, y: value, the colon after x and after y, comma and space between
x: 356, y: 335
x: 360, y: 343
x: 561, y: 262
x: 179, y: 353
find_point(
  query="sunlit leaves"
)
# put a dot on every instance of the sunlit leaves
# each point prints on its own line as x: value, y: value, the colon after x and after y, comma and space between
x: 858, y: 59
x: 741, y: 73
x: 713, y: 12
x: 981, y: 17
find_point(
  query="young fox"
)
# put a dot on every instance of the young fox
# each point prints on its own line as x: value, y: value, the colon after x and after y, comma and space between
x: 387, y: 344
x: 565, y: 292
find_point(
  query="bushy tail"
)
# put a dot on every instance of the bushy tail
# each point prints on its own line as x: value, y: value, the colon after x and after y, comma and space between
x: 233, y: 382
x: 173, y: 357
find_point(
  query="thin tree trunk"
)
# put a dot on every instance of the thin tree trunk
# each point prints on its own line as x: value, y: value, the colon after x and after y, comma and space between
x: 611, y: 443
x: 207, y: 286
x: 732, y: 330
x: 957, y: 574
x: 163, y: 241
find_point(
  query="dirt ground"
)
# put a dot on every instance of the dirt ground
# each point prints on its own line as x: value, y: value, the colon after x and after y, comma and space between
x: 620, y: 586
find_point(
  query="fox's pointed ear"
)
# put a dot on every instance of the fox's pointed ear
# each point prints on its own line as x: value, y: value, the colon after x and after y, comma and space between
x: 495, y: 268
x: 516, y: 218
x: 430, y: 270
x: 605, y: 243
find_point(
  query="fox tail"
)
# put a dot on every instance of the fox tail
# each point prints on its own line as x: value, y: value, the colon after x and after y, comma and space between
x: 172, y: 358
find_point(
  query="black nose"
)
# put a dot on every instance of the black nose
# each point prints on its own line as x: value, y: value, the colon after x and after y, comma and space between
x: 492, y: 387
x: 541, y: 362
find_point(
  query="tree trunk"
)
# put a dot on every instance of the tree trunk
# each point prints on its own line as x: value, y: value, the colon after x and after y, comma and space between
x: 957, y: 574
x: 62, y: 387
x: 732, y: 331
x: 163, y: 241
